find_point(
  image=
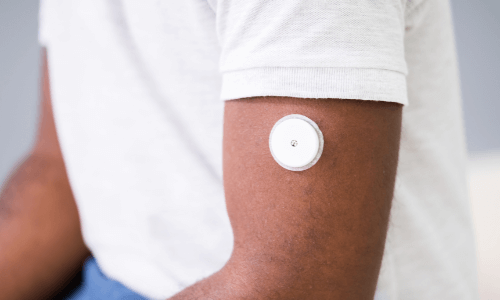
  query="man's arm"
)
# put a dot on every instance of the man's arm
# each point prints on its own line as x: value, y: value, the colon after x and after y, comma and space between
x: 314, y: 234
x: 41, y: 245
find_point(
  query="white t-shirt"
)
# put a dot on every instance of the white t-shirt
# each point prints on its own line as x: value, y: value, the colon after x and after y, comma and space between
x: 138, y: 91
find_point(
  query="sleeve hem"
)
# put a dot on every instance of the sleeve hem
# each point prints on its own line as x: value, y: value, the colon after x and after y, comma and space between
x: 338, y: 83
x: 42, y: 24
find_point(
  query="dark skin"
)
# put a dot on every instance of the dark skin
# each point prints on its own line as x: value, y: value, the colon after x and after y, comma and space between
x: 313, y: 234
x: 41, y: 245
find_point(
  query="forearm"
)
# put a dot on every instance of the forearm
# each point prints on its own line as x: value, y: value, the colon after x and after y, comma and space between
x: 244, y: 279
x: 217, y: 286
x: 40, y: 239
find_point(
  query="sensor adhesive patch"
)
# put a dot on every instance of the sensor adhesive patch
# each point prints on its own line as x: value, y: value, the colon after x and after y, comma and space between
x: 296, y: 142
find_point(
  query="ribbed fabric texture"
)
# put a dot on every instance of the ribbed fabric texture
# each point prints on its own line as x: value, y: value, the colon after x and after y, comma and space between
x: 343, y: 83
x: 312, y: 49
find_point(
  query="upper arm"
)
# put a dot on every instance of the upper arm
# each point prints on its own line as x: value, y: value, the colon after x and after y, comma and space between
x: 319, y: 232
x: 47, y: 143
x: 41, y: 245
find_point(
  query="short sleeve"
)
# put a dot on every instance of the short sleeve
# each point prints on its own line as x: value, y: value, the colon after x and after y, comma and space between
x: 44, y: 22
x: 54, y: 20
x: 312, y: 49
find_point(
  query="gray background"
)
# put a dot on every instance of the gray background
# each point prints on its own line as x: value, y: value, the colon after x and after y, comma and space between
x: 477, y: 26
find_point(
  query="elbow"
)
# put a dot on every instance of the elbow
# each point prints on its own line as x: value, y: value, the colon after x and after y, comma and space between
x: 288, y: 271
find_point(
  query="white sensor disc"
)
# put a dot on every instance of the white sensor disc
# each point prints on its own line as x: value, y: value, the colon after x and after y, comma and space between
x: 296, y: 142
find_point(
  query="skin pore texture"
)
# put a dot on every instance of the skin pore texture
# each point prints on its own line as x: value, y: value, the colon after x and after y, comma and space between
x: 313, y: 234
x: 41, y: 245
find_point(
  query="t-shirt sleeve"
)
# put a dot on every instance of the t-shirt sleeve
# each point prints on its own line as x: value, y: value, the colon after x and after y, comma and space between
x: 47, y: 22
x: 312, y: 49
x: 56, y: 21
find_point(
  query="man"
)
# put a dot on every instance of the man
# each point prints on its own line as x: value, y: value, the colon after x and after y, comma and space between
x: 163, y: 113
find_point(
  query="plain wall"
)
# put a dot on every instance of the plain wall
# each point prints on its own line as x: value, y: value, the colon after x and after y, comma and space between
x: 19, y: 59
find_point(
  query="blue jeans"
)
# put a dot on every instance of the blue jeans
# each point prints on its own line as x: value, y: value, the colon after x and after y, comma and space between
x: 96, y: 286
